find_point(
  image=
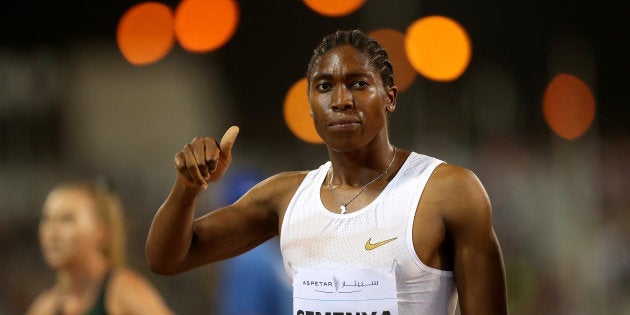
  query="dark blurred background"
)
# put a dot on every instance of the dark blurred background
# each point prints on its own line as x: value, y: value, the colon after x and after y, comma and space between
x: 72, y: 107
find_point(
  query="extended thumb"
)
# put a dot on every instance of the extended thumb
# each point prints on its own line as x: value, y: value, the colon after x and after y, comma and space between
x: 227, y: 142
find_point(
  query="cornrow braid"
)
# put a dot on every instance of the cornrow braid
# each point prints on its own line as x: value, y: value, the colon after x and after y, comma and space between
x: 361, y: 42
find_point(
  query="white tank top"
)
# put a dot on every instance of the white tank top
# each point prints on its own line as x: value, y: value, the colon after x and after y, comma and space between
x: 313, y: 237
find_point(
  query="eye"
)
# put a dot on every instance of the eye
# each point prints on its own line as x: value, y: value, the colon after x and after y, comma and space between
x: 359, y: 84
x: 67, y: 218
x: 325, y: 86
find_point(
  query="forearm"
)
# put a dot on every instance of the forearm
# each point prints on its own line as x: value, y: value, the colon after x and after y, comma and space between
x: 170, y: 235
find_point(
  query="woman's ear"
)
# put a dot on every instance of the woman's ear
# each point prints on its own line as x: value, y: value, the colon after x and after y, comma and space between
x: 392, y: 93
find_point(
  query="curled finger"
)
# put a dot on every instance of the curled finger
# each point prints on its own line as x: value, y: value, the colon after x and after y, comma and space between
x: 212, y: 154
x: 180, y: 166
x: 198, y: 150
x: 192, y: 166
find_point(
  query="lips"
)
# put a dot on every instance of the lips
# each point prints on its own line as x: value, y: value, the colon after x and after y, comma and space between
x: 344, y: 124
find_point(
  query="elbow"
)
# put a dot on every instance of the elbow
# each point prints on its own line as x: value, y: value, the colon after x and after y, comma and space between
x: 160, y: 265
x: 160, y: 268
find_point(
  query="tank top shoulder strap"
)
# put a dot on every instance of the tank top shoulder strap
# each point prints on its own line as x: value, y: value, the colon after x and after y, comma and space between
x: 99, y: 306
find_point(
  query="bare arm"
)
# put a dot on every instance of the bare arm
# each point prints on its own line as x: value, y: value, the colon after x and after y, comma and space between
x: 176, y: 241
x: 478, y: 262
x: 171, y: 233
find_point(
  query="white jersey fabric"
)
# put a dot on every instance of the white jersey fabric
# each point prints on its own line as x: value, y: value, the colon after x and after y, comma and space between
x: 314, y: 238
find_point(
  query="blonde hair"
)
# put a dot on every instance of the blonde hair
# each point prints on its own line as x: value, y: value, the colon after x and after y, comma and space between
x: 108, y: 209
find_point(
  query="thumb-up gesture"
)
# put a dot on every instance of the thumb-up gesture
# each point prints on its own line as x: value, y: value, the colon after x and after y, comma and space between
x: 204, y: 160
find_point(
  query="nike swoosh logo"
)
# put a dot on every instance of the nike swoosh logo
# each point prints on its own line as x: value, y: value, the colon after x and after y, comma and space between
x: 370, y: 246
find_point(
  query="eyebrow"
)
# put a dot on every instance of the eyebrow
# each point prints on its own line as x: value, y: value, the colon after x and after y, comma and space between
x: 329, y: 76
x: 322, y: 76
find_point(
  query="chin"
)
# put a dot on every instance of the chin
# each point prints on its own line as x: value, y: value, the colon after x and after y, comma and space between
x: 55, y: 261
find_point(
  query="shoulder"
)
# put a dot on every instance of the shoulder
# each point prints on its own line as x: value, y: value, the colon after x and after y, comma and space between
x: 278, y: 188
x: 460, y: 195
x: 288, y: 179
x: 44, y: 303
x: 453, y: 177
x: 124, y: 281
x: 124, y: 276
x: 129, y: 292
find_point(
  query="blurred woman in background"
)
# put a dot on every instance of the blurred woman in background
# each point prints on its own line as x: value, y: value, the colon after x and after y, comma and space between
x: 82, y: 238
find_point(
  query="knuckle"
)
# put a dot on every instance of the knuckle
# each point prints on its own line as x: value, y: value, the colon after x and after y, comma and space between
x: 197, y: 141
x: 179, y: 160
x: 211, y: 142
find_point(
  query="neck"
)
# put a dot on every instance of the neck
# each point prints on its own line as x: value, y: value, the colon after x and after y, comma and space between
x: 356, y: 168
x: 84, y: 275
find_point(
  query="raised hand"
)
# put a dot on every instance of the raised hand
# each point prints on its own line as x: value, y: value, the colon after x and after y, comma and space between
x: 204, y: 160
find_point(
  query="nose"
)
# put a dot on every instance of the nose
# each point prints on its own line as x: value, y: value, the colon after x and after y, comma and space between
x: 342, y: 98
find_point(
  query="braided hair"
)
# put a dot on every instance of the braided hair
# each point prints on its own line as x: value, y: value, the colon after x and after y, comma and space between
x: 361, y: 42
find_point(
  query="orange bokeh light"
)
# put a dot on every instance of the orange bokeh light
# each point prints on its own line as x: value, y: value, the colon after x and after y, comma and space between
x: 205, y: 25
x: 145, y: 33
x: 394, y: 43
x: 297, y: 113
x: 568, y: 106
x: 438, y: 48
x: 334, y: 8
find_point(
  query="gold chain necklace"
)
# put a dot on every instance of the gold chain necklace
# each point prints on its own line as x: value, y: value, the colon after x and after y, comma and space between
x: 343, y: 207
